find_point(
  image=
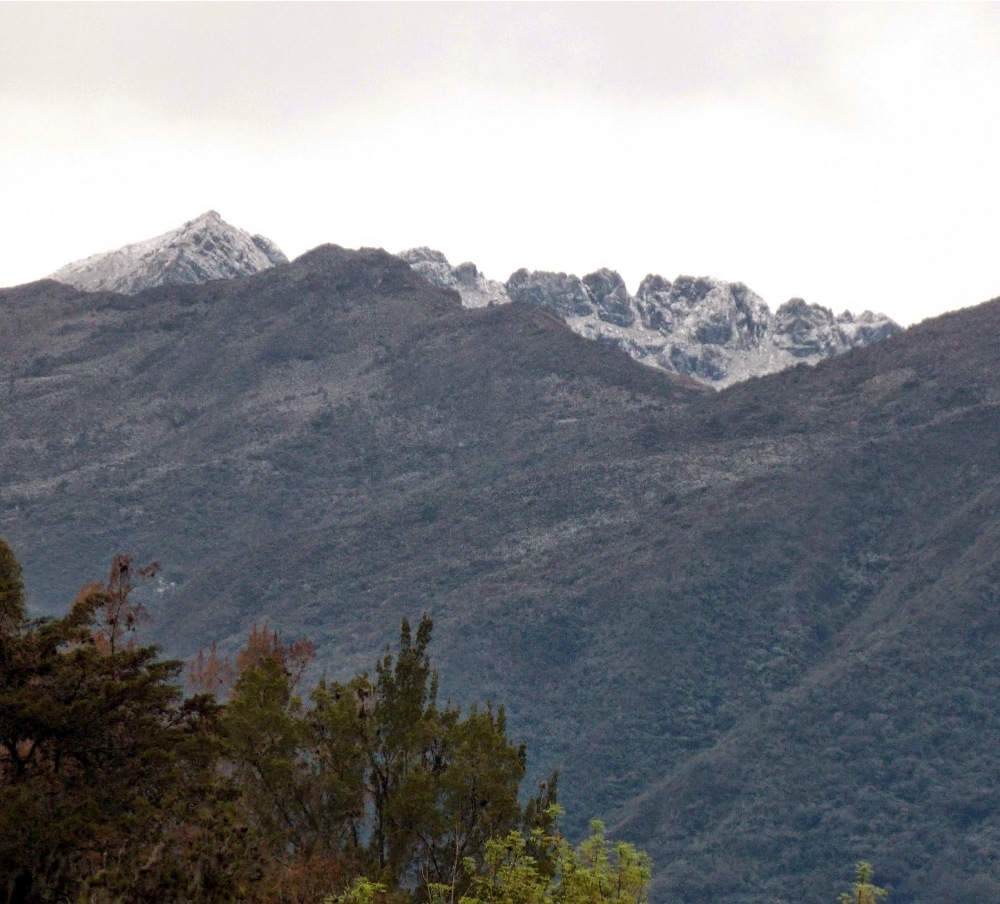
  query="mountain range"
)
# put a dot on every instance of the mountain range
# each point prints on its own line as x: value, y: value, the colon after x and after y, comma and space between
x: 716, y: 332
x: 758, y: 629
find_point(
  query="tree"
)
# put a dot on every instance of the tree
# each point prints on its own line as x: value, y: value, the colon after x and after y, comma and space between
x: 596, y: 872
x: 373, y: 774
x: 864, y: 891
x: 283, y: 781
x: 599, y: 871
x: 439, y: 785
x: 98, y: 751
x: 12, y: 610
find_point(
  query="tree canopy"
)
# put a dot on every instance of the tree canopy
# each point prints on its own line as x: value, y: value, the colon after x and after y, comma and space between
x: 116, y: 786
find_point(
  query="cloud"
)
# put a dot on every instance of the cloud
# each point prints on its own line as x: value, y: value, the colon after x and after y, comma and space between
x: 843, y: 152
x: 258, y: 62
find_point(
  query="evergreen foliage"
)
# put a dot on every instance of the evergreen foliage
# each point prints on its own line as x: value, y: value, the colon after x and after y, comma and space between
x: 114, y: 787
x: 98, y: 750
x: 864, y: 891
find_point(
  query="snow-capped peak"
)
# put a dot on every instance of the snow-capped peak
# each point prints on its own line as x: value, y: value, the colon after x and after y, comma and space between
x: 200, y: 250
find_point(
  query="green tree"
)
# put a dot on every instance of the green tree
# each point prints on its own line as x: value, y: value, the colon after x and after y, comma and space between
x: 12, y: 610
x: 435, y: 785
x: 373, y: 774
x: 509, y: 873
x: 99, y: 753
x: 599, y: 871
x: 287, y: 786
x: 864, y: 890
x: 596, y: 872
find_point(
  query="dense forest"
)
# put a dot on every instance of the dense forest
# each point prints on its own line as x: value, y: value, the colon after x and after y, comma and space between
x: 117, y: 785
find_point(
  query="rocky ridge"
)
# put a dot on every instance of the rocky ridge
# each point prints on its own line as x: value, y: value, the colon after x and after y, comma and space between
x: 476, y: 290
x: 203, y: 249
x: 714, y: 331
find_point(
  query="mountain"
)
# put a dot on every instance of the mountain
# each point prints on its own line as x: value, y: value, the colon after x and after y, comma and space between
x: 757, y: 629
x: 716, y: 332
x: 203, y: 249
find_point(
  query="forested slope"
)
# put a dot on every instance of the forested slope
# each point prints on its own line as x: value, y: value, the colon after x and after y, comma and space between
x: 755, y: 628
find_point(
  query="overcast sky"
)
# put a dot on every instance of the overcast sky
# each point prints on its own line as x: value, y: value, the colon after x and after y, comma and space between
x: 844, y: 153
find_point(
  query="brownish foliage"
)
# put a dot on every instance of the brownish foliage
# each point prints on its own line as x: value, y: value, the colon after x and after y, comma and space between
x: 307, y: 878
x: 118, y: 614
x: 211, y: 673
x: 214, y: 674
x: 294, y: 658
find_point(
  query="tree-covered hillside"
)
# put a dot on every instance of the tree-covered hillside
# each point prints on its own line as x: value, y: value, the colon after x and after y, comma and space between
x: 756, y: 630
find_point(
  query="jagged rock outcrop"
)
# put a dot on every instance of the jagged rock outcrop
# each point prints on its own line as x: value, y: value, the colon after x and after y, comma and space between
x: 203, y: 249
x: 714, y: 331
x: 611, y: 298
x: 476, y: 290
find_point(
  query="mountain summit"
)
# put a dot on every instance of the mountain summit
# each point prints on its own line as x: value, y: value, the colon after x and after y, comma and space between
x: 203, y: 249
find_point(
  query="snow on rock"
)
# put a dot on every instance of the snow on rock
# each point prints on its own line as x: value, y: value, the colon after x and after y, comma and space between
x: 202, y: 249
x: 714, y: 331
x: 614, y: 304
x: 476, y: 290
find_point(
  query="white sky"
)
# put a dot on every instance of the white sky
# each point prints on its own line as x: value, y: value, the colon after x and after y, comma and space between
x: 846, y: 153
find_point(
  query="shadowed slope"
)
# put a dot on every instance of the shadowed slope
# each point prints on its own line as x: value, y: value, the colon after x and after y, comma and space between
x: 730, y: 617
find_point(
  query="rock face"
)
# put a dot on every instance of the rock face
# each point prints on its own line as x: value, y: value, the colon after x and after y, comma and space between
x: 714, y: 331
x: 202, y: 249
x: 476, y: 290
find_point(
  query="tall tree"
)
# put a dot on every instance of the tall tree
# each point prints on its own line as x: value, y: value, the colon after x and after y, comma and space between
x: 439, y: 784
x: 96, y: 744
x: 403, y: 788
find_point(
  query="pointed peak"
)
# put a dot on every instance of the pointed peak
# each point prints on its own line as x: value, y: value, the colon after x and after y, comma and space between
x: 204, y: 248
x: 208, y: 218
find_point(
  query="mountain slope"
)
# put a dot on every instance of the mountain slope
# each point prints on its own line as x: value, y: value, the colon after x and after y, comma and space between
x: 202, y: 249
x: 755, y: 628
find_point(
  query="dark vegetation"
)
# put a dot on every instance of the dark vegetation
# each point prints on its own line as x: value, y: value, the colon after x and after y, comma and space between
x: 757, y: 630
x: 115, y: 787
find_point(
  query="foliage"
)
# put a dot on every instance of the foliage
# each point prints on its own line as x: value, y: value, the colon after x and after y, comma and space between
x: 363, y: 891
x: 374, y: 771
x: 864, y: 890
x: 12, y: 611
x: 596, y: 872
x: 116, y: 788
x: 600, y: 871
x: 98, y: 750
